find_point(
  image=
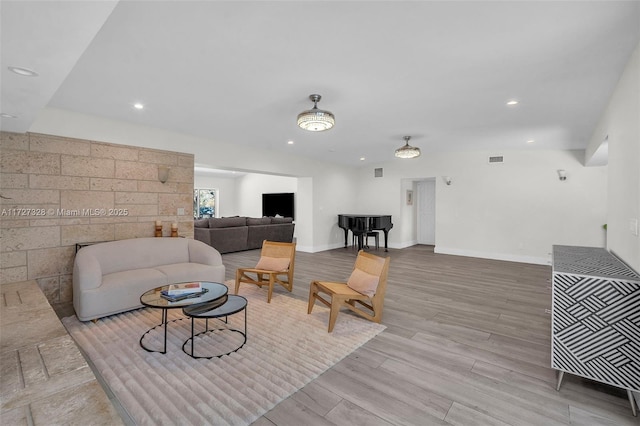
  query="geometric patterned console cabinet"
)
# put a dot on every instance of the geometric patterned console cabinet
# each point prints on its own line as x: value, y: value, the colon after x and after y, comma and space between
x: 595, y: 318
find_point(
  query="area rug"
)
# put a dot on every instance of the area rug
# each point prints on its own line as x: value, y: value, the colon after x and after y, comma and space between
x: 285, y: 350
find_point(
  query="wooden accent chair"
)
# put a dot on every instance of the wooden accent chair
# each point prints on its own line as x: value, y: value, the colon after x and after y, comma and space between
x: 276, y: 265
x: 366, y: 286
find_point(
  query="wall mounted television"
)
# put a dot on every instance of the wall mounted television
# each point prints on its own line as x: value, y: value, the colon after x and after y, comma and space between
x: 282, y: 204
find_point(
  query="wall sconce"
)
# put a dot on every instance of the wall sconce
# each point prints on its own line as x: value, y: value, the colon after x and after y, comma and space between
x: 562, y: 174
x: 447, y: 179
x: 163, y: 173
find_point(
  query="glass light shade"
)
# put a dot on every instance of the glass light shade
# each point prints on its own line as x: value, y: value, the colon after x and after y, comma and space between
x: 407, y: 151
x: 316, y: 120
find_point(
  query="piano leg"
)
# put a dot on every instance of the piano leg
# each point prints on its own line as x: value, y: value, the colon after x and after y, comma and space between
x: 386, y: 234
x: 346, y: 236
x: 360, y: 241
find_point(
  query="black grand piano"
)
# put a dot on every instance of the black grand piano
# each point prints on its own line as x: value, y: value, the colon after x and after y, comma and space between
x: 360, y: 224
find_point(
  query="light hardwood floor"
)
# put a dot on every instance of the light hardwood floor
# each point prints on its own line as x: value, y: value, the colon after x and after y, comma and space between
x: 467, y: 343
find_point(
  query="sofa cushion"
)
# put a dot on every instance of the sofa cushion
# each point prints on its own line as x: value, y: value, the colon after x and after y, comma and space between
x: 251, y: 221
x: 281, y: 220
x: 146, y: 278
x: 139, y: 253
x: 177, y: 272
x: 201, y: 223
x: 227, y: 222
x: 119, y: 292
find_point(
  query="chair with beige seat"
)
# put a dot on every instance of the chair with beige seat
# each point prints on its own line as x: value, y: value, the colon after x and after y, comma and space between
x: 276, y: 265
x: 365, y: 287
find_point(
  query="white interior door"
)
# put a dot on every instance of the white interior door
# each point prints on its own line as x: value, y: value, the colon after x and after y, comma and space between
x: 426, y: 214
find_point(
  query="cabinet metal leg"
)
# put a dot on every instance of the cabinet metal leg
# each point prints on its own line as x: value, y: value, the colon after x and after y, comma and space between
x: 633, y: 403
x: 560, y: 377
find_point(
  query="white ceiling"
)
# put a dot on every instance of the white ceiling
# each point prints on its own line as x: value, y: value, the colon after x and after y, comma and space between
x: 239, y: 72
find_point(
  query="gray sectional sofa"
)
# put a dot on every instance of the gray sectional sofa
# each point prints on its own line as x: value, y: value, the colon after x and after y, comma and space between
x: 229, y: 234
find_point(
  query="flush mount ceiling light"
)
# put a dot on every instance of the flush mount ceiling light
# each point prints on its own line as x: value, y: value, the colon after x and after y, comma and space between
x: 407, y: 151
x: 314, y: 119
x: 26, y: 72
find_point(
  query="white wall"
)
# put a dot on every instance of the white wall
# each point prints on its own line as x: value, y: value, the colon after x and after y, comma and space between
x: 333, y: 194
x: 406, y: 223
x: 512, y: 211
x: 304, y: 210
x: 621, y: 122
x: 242, y: 195
x: 250, y: 188
x: 333, y: 186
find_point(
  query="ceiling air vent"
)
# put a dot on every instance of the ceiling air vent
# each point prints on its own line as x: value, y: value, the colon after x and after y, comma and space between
x: 496, y: 159
x: 377, y: 172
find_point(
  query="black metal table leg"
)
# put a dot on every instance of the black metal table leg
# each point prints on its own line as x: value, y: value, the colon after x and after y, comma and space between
x: 163, y: 323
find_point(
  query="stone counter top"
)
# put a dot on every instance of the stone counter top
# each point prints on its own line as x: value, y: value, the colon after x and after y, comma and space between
x: 44, y: 379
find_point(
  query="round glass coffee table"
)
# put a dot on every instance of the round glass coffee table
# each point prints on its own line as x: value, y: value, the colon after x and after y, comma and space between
x: 216, y: 295
x: 232, y: 305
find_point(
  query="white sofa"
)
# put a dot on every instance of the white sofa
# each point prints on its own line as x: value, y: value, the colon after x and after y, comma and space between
x: 109, y: 278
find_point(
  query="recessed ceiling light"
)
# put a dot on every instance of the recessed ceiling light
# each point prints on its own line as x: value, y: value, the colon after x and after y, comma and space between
x: 138, y: 105
x: 530, y: 141
x: 5, y: 115
x: 26, y: 72
x: 290, y: 142
x: 512, y: 102
x: 362, y: 158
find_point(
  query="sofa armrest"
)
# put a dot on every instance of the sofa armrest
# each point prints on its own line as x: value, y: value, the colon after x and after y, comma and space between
x: 200, y: 252
x: 87, y: 273
x: 202, y: 234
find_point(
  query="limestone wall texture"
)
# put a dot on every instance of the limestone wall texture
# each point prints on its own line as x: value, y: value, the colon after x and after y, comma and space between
x: 57, y: 192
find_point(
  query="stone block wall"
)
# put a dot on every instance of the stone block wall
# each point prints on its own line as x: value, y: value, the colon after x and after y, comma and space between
x: 57, y: 192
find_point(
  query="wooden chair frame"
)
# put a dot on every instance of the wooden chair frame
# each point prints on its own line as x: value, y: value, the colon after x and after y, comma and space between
x: 341, y: 295
x: 262, y: 277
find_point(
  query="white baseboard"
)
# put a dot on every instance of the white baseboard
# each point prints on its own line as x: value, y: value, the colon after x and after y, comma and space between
x: 314, y: 249
x: 440, y: 250
x: 401, y: 245
x: 494, y: 256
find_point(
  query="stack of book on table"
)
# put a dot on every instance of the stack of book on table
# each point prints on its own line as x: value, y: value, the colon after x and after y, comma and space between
x: 182, y: 291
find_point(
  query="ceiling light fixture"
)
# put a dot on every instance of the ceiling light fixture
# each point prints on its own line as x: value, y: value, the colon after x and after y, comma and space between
x: 316, y: 120
x: 407, y: 151
x: 138, y: 105
x: 512, y: 102
x: 290, y: 142
x: 26, y: 72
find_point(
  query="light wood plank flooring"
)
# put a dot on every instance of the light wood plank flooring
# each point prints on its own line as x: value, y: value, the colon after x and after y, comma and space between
x: 467, y: 343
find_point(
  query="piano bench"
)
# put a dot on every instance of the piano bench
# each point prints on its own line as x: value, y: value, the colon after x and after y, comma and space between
x: 365, y: 236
